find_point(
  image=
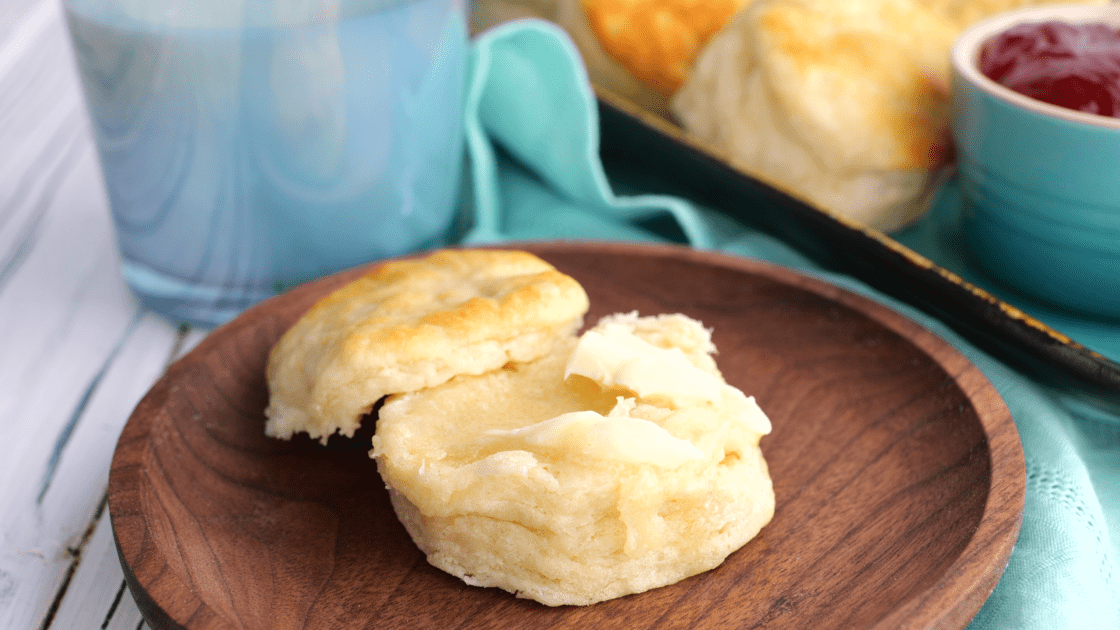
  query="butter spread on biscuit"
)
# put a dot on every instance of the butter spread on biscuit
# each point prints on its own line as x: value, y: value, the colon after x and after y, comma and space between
x: 569, y: 490
x: 611, y: 437
x: 614, y: 357
x: 748, y: 411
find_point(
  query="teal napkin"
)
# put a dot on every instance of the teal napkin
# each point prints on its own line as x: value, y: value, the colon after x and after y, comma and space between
x: 533, y: 141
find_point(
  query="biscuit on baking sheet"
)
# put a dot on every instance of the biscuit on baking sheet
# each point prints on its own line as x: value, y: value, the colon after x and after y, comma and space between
x: 843, y: 103
x: 577, y: 490
x: 657, y: 40
x: 411, y: 324
x: 964, y: 13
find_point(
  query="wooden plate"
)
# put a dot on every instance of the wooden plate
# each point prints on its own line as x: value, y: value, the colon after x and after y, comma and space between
x: 897, y: 468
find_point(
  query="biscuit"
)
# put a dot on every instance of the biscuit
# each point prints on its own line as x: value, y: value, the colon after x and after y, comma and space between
x: 964, y: 13
x: 842, y: 103
x: 568, y: 491
x: 604, y: 71
x: 658, y: 40
x: 411, y: 324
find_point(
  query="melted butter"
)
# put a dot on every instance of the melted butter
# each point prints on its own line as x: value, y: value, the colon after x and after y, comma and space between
x: 612, y: 437
x: 614, y: 357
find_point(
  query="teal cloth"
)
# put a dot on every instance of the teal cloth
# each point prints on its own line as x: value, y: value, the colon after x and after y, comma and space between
x: 533, y: 139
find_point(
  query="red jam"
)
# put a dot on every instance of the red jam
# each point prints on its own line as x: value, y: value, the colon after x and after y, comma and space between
x: 1076, y: 66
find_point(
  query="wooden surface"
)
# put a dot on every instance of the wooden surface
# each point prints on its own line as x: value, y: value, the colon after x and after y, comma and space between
x: 897, y: 469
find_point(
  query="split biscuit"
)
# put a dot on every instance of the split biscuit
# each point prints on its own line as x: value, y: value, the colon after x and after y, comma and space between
x: 411, y: 324
x: 570, y: 490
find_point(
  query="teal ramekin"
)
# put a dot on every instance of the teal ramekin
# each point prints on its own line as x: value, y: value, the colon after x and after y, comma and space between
x: 1040, y: 183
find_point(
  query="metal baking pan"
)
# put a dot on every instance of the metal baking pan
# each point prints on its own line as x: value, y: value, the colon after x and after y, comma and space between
x: 634, y: 138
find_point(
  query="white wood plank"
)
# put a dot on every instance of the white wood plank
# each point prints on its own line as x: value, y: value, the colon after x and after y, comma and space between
x: 77, y: 356
x: 39, y: 94
x: 13, y: 15
x: 79, y: 352
x: 62, y: 311
x: 126, y: 617
x: 97, y: 597
x: 54, y: 507
x: 97, y: 589
x: 22, y: 22
x: 190, y: 340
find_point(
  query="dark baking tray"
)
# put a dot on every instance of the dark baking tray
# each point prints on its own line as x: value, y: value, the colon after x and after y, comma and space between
x: 636, y: 139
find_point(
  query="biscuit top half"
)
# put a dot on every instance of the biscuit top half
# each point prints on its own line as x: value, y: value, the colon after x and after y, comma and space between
x: 412, y: 324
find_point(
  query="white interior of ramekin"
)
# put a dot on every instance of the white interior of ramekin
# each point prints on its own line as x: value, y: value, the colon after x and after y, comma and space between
x: 966, y: 53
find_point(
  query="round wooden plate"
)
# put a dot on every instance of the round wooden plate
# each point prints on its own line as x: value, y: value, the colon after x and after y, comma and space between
x: 897, y: 468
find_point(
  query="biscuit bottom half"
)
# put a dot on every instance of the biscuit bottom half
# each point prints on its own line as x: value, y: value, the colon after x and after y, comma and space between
x: 578, y: 514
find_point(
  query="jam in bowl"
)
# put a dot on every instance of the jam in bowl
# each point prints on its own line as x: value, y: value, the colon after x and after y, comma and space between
x: 1076, y: 66
x: 1035, y: 97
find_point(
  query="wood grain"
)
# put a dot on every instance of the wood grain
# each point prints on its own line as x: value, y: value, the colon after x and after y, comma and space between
x: 897, y: 468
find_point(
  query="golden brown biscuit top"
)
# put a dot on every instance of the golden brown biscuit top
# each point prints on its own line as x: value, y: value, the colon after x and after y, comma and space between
x: 876, y: 66
x: 657, y: 40
x: 411, y: 324
x: 450, y: 297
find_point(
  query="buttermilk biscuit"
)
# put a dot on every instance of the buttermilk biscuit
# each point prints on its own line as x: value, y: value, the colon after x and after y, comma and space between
x: 606, y: 467
x: 642, y: 50
x: 657, y: 40
x: 843, y: 103
x: 964, y: 13
x: 412, y: 324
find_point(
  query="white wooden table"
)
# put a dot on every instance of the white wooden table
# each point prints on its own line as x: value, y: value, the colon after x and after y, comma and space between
x: 76, y: 350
